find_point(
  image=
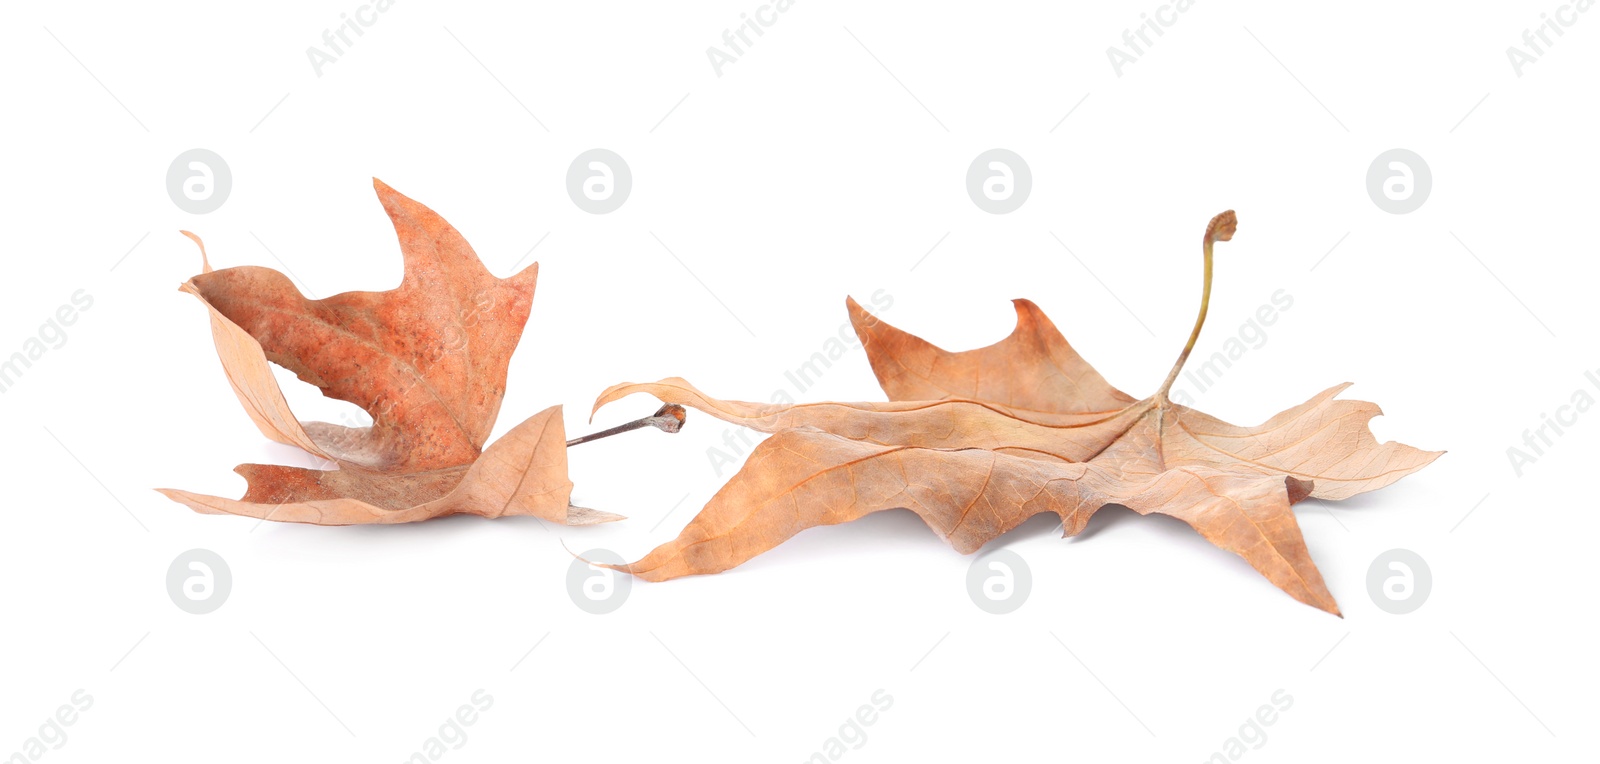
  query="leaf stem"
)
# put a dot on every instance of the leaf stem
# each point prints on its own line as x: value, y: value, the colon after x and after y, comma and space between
x: 668, y: 418
x: 1221, y: 228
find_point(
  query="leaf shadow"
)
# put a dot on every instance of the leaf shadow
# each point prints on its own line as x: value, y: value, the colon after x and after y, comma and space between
x: 304, y: 541
x: 1119, y: 516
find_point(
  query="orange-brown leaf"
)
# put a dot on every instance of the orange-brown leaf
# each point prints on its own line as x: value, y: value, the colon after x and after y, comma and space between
x: 426, y: 360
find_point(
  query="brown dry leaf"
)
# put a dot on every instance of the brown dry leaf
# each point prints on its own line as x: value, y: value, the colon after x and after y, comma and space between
x: 426, y: 360
x: 976, y: 442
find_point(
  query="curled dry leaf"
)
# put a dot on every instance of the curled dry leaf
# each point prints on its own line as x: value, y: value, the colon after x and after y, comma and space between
x: 976, y: 442
x: 426, y: 360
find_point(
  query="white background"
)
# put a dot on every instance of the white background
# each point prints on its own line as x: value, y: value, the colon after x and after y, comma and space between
x: 805, y: 173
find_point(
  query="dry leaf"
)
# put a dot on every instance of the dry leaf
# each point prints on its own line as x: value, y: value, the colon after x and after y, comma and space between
x: 976, y: 442
x: 426, y: 360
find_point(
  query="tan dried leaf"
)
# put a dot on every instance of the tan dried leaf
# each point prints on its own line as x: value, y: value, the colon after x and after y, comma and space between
x: 976, y: 442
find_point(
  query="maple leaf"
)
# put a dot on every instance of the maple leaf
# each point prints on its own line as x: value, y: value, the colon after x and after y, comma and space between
x: 976, y: 442
x: 426, y: 360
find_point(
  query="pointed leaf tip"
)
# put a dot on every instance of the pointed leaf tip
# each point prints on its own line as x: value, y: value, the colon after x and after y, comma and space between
x: 205, y: 262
